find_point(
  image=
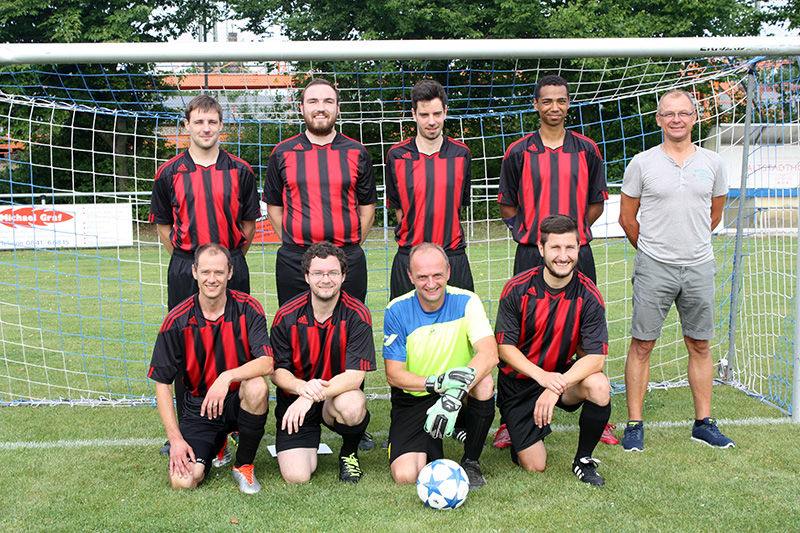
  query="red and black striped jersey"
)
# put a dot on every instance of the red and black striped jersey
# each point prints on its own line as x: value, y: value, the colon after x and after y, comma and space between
x: 205, y: 204
x: 312, y: 350
x: 540, y: 182
x: 201, y: 349
x: 320, y: 189
x: 546, y: 325
x: 431, y: 190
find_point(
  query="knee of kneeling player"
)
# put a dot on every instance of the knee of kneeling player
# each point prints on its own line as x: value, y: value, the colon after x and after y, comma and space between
x: 484, y: 389
x: 350, y: 407
x: 598, y: 390
x: 182, y: 483
x: 533, y: 464
x: 254, y: 393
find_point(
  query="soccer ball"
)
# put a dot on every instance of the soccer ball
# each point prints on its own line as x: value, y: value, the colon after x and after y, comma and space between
x: 442, y: 484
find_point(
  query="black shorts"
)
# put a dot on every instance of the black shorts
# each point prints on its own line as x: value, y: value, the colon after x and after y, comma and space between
x: 528, y: 257
x: 205, y: 436
x: 460, y: 273
x: 407, y: 428
x: 308, y: 436
x: 291, y: 282
x: 181, y: 284
x: 516, y: 399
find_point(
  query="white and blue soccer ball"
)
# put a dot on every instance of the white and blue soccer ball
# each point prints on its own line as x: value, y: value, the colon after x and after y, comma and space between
x: 442, y: 484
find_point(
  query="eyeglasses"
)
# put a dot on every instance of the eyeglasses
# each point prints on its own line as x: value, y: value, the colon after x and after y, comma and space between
x: 683, y: 115
x: 333, y: 274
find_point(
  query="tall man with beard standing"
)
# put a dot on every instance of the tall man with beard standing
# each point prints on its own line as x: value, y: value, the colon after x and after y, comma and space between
x: 320, y: 186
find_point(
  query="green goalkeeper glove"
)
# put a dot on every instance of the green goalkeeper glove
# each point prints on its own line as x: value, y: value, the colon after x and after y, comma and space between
x: 460, y: 377
x: 442, y: 415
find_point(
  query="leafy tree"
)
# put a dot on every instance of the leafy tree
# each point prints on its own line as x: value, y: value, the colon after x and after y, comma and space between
x: 455, y: 19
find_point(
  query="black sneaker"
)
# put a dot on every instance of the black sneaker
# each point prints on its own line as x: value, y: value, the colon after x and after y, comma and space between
x: 366, y: 443
x: 385, y: 444
x: 349, y: 469
x: 474, y: 473
x: 164, y: 449
x: 460, y: 434
x: 586, y: 470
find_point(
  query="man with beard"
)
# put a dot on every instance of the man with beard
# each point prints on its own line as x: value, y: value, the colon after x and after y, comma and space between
x: 320, y: 186
x: 544, y: 315
x: 551, y: 171
x: 323, y: 346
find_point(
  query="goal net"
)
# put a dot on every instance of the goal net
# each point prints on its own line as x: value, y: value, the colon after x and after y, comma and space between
x: 83, y: 290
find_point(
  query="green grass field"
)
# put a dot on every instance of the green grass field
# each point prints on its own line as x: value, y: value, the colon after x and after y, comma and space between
x: 97, y: 469
x: 82, y: 325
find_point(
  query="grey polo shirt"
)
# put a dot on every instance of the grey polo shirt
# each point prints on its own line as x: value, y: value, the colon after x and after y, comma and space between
x: 675, y: 203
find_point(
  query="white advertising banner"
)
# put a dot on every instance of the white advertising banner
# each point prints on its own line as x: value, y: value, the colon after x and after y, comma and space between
x: 66, y: 226
x: 768, y: 167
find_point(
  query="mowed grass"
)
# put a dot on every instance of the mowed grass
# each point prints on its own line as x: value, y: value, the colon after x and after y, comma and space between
x: 58, y: 474
x: 82, y: 325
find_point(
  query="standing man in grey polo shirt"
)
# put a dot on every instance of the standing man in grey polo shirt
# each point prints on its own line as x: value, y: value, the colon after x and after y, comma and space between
x: 678, y: 190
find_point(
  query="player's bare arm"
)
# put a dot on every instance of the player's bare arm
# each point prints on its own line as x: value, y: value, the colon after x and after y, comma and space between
x: 213, y: 401
x: 555, y: 382
x: 593, y: 211
x: 181, y: 454
x: 507, y: 211
x: 584, y: 367
x: 543, y: 411
x: 366, y: 215
x: 398, y: 376
x: 163, y: 234
x: 628, y: 208
x: 249, y: 230
x: 717, y: 205
x: 484, y: 359
x: 275, y: 215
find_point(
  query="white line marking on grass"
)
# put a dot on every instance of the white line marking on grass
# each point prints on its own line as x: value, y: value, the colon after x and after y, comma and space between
x: 664, y: 424
x: 754, y: 421
x: 81, y: 443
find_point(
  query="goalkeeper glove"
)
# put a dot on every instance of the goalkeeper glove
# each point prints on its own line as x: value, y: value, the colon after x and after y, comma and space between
x: 442, y: 415
x: 460, y: 377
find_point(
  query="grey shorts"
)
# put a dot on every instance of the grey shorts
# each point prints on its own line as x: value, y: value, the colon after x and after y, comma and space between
x: 656, y: 285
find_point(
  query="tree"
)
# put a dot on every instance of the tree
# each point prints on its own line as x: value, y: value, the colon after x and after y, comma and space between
x: 491, y: 19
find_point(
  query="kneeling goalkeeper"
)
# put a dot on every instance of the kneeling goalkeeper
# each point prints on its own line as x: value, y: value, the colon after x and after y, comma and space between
x: 439, y: 350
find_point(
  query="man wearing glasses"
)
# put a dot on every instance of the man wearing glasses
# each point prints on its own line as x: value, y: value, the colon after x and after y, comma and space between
x: 678, y: 191
x: 323, y: 348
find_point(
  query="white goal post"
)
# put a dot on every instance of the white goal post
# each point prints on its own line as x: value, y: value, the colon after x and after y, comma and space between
x: 87, y: 124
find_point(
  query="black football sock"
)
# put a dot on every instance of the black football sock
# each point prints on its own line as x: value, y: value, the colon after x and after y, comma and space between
x: 461, y: 420
x: 251, y: 430
x: 351, y: 436
x: 478, y: 418
x: 592, y: 423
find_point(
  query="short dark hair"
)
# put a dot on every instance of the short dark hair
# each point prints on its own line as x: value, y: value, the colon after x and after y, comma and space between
x: 550, y: 79
x: 426, y: 246
x: 427, y: 90
x: 319, y: 81
x: 203, y: 102
x: 558, y: 225
x: 323, y: 250
x: 214, y: 249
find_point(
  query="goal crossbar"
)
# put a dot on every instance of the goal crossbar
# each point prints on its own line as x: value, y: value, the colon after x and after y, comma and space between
x: 43, y: 53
